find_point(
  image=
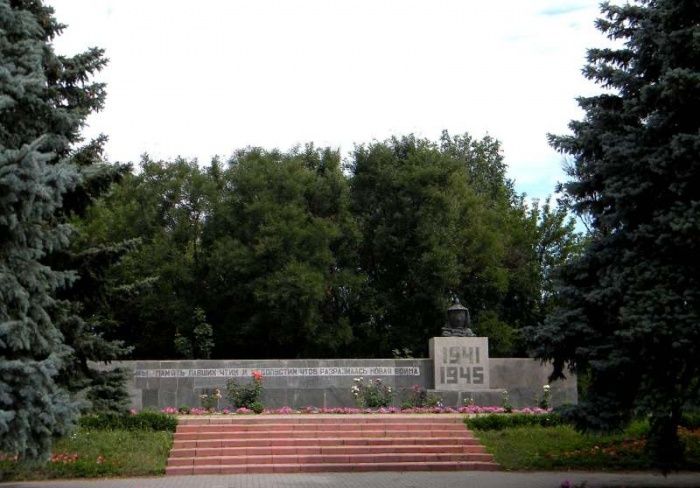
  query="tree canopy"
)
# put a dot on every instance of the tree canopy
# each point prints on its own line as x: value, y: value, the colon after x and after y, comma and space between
x: 301, y: 254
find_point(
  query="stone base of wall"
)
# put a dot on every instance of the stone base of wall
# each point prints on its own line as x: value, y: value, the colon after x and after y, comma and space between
x: 483, y: 398
x: 299, y: 398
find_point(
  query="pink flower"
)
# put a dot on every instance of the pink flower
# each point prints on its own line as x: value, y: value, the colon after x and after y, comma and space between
x: 257, y: 375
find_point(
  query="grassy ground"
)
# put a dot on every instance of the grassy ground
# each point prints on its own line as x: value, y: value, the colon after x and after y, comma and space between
x: 562, y: 448
x: 98, y: 453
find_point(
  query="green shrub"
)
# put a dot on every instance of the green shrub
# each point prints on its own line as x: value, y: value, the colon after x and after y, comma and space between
x: 373, y: 394
x: 506, y: 421
x: 210, y: 401
x: 257, y: 407
x: 146, y: 420
x: 247, y: 394
x: 691, y: 420
x: 418, y: 397
x: 505, y: 402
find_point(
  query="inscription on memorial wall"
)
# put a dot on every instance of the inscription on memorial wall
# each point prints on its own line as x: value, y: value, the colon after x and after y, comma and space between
x: 273, y: 372
x: 461, y: 363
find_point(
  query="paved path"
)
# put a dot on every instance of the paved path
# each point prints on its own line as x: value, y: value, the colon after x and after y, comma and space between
x: 466, y: 479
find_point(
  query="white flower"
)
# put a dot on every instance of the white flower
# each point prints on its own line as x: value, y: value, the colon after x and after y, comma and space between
x: 545, y: 387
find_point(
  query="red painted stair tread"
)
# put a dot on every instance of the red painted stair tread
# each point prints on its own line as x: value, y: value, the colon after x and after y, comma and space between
x: 271, y: 444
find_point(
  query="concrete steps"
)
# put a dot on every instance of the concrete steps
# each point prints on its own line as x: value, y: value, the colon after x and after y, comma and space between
x: 272, y: 444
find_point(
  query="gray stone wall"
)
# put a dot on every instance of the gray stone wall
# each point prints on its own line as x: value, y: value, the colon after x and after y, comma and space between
x: 326, y: 383
x: 524, y: 378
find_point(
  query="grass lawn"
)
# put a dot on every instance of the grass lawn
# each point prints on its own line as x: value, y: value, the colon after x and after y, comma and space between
x: 98, y: 453
x: 562, y: 448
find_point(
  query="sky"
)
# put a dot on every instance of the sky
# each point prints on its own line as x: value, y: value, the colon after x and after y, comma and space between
x: 198, y: 79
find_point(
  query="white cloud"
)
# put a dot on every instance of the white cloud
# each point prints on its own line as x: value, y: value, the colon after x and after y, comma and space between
x: 204, y: 78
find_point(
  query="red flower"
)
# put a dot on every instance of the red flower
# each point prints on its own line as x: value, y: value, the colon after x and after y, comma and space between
x: 257, y: 375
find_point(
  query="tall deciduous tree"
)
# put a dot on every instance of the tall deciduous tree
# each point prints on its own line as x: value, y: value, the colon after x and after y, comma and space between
x: 285, y: 254
x: 164, y: 206
x: 438, y: 220
x: 630, y: 304
x: 279, y: 246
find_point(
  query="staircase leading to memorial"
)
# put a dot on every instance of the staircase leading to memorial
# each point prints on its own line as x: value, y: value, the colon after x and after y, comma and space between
x: 288, y: 444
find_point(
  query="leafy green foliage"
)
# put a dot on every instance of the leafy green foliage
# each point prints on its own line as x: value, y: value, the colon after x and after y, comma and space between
x: 210, y: 400
x: 691, y: 420
x: 201, y: 343
x: 372, y: 393
x: 418, y: 397
x: 441, y: 219
x: 257, y: 407
x: 246, y: 395
x: 627, y: 313
x: 285, y: 255
x: 511, y: 420
x: 279, y: 243
x: 163, y: 206
x: 563, y: 448
x: 145, y: 420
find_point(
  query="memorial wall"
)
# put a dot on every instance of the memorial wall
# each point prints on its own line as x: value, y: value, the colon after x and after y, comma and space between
x: 458, y: 370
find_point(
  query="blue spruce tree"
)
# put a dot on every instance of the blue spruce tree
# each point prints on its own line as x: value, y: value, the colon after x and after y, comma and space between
x: 45, y: 179
x: 33, y: 408
x: 629, y: 314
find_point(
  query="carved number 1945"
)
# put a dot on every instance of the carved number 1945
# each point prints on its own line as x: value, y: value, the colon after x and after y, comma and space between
x: 470, y: 375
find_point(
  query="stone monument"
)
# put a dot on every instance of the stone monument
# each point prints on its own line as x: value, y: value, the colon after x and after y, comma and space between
x: 458, y: 371
x: 461, y: 360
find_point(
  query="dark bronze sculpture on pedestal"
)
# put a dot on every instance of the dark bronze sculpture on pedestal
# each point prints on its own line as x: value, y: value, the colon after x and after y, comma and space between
x: 458, y: 321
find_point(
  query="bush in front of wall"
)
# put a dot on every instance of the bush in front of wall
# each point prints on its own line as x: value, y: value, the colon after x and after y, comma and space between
x: 418, y: 397
x: 511, y: 420
x: 372, y: 394
x: 210, y: 401
x: 245, y: 395
x: 145, y: 420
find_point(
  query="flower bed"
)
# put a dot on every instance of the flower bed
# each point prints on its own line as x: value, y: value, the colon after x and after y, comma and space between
x: 372, y: 397
x: 468, y: 410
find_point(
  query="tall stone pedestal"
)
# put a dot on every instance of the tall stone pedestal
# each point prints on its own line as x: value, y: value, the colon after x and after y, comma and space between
x: 461, y: 370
